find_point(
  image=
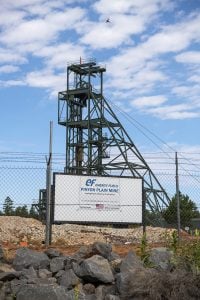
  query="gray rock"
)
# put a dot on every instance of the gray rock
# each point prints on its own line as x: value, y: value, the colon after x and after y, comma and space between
x: 44, y: 273
x: 42, y: 292
x: 6, y: 268
x: 76, y: 295
x: 28, y: 273
x: 57, y: 264
x: 91, y: 297
x: 82, y: 253
x: 111, y: 297
x: 113, y: 256
x: 26, y: 257
x: 89, y: 288
x: 5, y: 290
x: 69, y: 279
x: 43, y: 281
x: 9, y: 297
x: 51, y: 253
x: 94, y: 269
x: 103, y: 290
x: 59, y: 274
x: 137, y: 283
x: 161, y: 258
x: 2, y: 292
x: 130, y: 262
x: 68, y: 262
x: 102, y: 249
x: 16, y: 285
x: 1, y: 254
x: 115, y: 265
x: 7, y: 276
x: 121, y: 281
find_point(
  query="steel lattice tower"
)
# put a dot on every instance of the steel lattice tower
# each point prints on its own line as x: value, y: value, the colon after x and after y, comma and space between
x: 96, y: 142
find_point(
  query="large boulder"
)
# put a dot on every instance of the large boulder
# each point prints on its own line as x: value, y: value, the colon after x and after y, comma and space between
x: 94, y: 269
x: 69, y: 279
x: 57, y: 264
x: 26, y: 257
x: 130, y: 262
x: 139, y: 284
x: 102, y: 249
x: 41, y: 292
x: 161, y: 258
x: 51, y: 253
x: 83, y: 253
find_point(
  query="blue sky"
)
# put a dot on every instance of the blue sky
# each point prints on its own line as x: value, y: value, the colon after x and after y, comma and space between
x: 151, y: 49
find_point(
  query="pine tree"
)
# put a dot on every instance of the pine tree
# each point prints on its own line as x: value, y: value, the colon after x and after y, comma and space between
x: 8, y: 207
x: 22, y: 211
x: 33, y: 213
x: 188, y: 210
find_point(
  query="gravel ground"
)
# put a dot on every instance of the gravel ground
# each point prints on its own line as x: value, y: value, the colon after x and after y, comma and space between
x: 17, y: 229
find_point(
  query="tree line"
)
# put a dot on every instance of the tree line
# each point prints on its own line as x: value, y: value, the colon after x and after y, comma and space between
x: 22, y: 211
x: 168, y: 216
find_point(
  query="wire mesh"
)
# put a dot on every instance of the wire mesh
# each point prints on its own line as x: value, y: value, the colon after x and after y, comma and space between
x: 23, y: 187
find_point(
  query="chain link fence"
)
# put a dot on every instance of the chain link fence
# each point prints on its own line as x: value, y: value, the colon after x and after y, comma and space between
x: 23, y: 193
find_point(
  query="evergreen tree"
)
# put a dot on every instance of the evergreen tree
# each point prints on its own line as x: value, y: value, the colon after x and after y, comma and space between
x: 8, y: 207
x: 33, y: 213
x: 188, y: 210
x: 22, y: 211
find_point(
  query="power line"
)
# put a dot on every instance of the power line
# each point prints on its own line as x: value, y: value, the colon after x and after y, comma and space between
x: 131, y: 119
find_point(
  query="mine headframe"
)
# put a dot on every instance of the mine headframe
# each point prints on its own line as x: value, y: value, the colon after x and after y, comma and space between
x: 96, y: 142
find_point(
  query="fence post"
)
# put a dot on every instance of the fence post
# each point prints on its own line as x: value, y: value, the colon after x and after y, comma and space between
x: 177, y: 197
x: 48, y: 190
x: 143, y: 208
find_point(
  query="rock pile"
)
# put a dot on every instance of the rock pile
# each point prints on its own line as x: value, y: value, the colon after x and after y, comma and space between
x: 15, y: 229
x: 94, y: 273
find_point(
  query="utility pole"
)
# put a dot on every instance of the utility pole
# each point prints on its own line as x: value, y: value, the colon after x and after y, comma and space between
x: 48, y: 189
x: 177, y: 197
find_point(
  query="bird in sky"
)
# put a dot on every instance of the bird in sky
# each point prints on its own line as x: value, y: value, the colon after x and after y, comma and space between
x: 108, y: 20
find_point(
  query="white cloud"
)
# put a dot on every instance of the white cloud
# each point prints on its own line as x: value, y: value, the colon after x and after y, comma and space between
x: 10, y: 83
x: 11, y: 17
x: 189, y: 57
x: 135, y: 7
x: 57, y: 31
x: 195, y: 78
x: 189, y: 92
x: 57, y: 56
x: 43, y: 30
x: 127, y: 18
x: 45, y: 79
x: 179, y: 111
x: 141, y: 77
x: 9, y: 56
x: 108, y: 35
x: 8, y: 69
x: 149, y: 101
x: 141, y: 67
x: 169, y: 39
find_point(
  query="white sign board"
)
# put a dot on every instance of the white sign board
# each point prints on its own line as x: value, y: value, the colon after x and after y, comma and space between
x: 97, y: 199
